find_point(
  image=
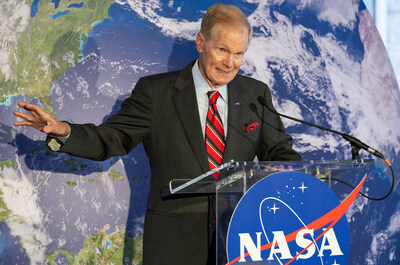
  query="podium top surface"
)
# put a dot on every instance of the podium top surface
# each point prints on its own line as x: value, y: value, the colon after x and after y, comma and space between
x: 232, y: 171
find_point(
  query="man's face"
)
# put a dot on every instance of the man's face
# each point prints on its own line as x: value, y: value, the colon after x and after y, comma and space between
x: 221, y: 54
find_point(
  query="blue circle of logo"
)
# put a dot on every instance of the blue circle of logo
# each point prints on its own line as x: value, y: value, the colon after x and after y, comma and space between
x: 288, y: 217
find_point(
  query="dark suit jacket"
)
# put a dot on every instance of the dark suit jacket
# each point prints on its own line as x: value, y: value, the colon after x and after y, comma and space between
x: 162, y: 113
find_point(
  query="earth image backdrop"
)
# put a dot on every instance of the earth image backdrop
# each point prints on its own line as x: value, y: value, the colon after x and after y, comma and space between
x: 324, y: 61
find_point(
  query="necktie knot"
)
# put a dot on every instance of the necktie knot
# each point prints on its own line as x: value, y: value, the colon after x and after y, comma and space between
x: 213, y: 96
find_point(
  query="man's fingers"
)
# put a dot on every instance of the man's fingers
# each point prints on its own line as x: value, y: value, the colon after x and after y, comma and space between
x: 23, y: 115
x: 28, y: 106
x: 34, y: 110
x: 23, y: 123
x: 21, y: 104
x: 40, y: 111
x: 30, y: 124
x: 41, y: 120
x: 36, y: 113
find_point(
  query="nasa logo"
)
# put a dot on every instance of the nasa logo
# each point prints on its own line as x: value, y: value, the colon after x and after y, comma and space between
x: 290, y: 217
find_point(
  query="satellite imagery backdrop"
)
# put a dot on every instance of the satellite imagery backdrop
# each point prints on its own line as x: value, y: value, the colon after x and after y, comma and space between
x: 323, y: 60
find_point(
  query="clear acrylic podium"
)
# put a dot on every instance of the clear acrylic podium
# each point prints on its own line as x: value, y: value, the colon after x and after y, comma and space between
x: 236, y: 178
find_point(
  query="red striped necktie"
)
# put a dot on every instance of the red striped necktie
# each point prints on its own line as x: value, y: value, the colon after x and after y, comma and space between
x: 215, y: 136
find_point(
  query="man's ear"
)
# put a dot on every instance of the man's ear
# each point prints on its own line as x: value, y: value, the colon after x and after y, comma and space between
x: 199, y: 42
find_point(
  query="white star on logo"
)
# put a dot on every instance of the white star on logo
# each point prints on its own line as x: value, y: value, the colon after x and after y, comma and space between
x: 274, y: 208
x: 302, y: 187
x: 335, y: 263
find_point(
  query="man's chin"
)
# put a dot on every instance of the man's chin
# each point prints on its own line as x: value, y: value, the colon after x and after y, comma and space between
x: 219, y: 84
x: 222, y: 81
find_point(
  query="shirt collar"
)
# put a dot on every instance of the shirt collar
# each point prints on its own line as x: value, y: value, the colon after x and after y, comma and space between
x: 202, y: 87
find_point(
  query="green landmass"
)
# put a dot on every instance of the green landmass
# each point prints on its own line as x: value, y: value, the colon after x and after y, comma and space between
x: 7, y: 163
x: 114, y: 175
x: 4, y: 211
x: 71, y: 183
x: 44, y: 153
x: 96, y: 250
x: 94, y: 181
x: 48, y: 48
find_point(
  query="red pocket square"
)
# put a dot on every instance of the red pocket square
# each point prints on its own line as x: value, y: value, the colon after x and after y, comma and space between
x: 250, y: 127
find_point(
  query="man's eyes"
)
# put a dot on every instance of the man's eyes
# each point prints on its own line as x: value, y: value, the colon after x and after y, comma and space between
x: 225, y: 51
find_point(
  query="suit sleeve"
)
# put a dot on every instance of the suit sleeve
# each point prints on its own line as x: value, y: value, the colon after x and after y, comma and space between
x: 275, y: 144
x: 120, y: 133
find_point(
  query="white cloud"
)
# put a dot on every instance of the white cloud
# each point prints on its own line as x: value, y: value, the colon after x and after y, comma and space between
x: 26, y: 220
x: 180, y: 28
x: 384, y: 238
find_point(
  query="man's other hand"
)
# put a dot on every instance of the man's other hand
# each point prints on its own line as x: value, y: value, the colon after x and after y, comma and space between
x: 41, y: 120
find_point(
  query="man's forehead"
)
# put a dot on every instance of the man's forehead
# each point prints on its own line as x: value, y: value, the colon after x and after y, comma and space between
x: 227, y: 36
x: 222, y: 28
x: 230, y: 26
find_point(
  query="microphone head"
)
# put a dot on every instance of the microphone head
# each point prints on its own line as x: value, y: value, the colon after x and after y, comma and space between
x: 262, y: 100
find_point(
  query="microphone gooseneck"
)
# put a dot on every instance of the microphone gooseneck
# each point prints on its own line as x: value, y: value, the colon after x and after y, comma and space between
x: 353, y: 140
x: 355, y: 143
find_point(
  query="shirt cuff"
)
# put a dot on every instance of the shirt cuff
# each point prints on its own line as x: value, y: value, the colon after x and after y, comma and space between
x: 64, y: 139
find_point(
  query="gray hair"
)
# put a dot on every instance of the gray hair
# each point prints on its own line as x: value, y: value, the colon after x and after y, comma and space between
x: 228, y: 15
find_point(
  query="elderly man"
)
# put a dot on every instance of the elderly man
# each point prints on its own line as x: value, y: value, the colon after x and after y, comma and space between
x: 190, y: 121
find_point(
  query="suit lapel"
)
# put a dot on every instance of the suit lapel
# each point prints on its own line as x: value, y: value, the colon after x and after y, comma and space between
x: 235, y: 118
x: 185, y: 103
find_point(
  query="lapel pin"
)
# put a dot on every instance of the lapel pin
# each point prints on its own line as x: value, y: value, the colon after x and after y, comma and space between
x: 237, y: 104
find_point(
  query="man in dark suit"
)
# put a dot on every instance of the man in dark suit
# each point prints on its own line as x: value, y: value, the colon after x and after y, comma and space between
x: 167, y: 112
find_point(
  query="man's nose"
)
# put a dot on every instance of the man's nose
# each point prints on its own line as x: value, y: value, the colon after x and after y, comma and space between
x: 229, y: 60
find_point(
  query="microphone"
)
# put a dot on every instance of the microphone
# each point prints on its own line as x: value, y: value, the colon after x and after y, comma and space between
x: 355, y: 143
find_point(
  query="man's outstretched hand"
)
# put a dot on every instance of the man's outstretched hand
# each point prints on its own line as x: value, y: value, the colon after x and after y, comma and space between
x: 41, y: 120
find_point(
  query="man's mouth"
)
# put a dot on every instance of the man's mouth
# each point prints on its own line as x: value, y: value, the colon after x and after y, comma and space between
x: 223, y: 71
